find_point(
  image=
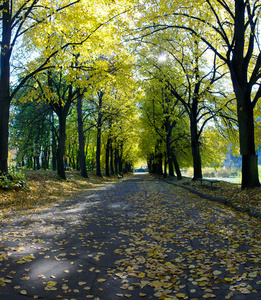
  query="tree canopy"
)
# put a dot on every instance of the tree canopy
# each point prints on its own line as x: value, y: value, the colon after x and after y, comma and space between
x: 95, y: 83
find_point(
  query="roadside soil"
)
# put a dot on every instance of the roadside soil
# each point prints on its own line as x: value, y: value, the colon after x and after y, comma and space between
x: 138, y: 237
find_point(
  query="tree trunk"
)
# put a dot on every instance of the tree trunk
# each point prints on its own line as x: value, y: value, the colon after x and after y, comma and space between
x: 149, y: 163
x: 54, y: 148
x: 176, y: 165
x: 247, y: 143
x: 169, y: 156
x: 165, y: 165
x: 37, y: 162
x: 99, y: 131
x: 30, y: 160
x: 98, y: 150
x: 158, y: 158
x: 239, y: 70
x: 116, y: 159
x: 246, y: 134
x: 107, y: 158
x: 112, y: 159
x: 5, y: 86
x: 121, y: 160
x: 197, y: 167
x: 159, y: 169
x: 82, y: 158
x: 45, y: 163
x: 61, y: 146
x: 23, y: 163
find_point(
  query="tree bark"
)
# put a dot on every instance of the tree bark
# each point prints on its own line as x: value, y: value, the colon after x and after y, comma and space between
x: 159, y: 169
x: 5, y: 86
x: 111, y: 159
x: 250, y: 176
x: 98, y: 152
x: 99, y: 132
x: 54, y: 152
x: 239, y: 68
x: 165, y: 165
x: 158, y: 158
x: 239, y: 75
x: 195, y: 148
x: 176, y: 165
x: 36, y: 162
x: 81, y: 138
x: 61, y: 146
x: 107, y: 157
x: 116, y: 159
x: 169, y: 156
x: 121, y: 159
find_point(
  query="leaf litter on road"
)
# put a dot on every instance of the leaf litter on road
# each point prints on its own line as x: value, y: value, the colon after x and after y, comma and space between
x: 170, y: 245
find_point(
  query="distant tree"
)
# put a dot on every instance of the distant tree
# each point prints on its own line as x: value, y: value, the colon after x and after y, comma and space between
x: 165, y: 116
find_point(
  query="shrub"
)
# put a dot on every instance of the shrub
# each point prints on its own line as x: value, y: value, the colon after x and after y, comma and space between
x: 13, y: 180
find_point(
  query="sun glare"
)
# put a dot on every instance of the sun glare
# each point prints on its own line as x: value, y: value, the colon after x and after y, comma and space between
x: 162, y: 57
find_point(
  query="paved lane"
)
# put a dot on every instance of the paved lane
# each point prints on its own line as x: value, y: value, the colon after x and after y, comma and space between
x: 137, y: 238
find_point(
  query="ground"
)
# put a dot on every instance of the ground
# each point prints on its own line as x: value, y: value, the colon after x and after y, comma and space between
x: 45, y: 187
x: 140, y: 237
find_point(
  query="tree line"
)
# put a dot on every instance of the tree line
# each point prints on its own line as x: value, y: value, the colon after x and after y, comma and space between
x: 188, y: 74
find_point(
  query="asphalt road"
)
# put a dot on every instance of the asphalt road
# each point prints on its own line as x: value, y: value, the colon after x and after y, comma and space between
x: 137, y: 238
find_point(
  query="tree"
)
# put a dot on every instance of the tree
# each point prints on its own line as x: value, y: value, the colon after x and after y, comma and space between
x: 166, y: 118
x: 100, y: 116
x: 237, y: 29
x: 54, y: 89
x: 31, y: 133
x: 230, y: 30
x: 16, y: 20
x: 47, y: 29
x: 60, y: 95
x: 81, y: 138
x: 198, y: 89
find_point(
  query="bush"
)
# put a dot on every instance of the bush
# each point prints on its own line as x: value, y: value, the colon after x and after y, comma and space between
x: 13, y: 180
x: 209, y: 174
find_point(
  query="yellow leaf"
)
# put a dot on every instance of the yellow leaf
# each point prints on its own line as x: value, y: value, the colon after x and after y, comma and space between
x: 52, y: 283
x: 156, y: 284
x: 216, y: 272
x: 23, y: 292
x: 158, y: 294
x: 181, y: 295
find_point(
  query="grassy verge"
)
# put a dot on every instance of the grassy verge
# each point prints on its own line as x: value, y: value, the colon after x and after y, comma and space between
x: 44, y: 188
x: 249, y: 199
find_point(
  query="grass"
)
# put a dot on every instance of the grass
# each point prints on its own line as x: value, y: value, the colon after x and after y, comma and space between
x: 248, y: 199
x: 45, y: 189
